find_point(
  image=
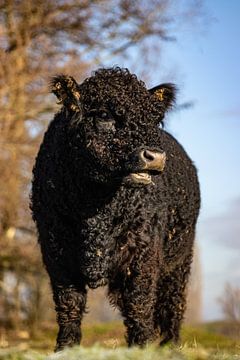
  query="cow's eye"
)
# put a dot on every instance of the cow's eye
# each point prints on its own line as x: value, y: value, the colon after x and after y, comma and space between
x: 104, y: 115
x: 103, y: 119
x: 99, y: 114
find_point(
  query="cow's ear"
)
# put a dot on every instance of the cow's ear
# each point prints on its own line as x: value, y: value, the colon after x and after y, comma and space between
x: 166, y: 93
x: 67, y: 91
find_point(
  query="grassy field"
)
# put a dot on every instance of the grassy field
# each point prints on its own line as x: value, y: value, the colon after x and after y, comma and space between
x: 106, y: 341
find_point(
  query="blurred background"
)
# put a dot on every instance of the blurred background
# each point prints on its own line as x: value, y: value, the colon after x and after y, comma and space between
x: 193, y: 43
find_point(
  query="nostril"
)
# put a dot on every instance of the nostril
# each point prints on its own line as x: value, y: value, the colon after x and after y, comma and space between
x: 151, y: 160
x: 148, y: 155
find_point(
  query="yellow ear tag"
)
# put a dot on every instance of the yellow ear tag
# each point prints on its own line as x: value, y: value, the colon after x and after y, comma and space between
x: 159, y: 93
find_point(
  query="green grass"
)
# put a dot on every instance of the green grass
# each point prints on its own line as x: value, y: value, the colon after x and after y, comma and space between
x: 122, y: 353
x: 202, y: 337
x: 106, y: 341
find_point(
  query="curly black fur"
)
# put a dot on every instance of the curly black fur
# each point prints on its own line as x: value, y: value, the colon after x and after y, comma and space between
x: 96, y: 227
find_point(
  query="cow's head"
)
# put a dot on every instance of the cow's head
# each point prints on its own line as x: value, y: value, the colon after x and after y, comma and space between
x: 115, y: 124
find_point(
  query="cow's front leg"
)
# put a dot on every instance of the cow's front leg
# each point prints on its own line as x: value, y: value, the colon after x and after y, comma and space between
x: 70, y: 302
x: 139, y: 299
x: 135, y: 295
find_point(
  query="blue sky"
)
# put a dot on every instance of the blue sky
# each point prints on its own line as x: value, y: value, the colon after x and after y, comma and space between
x: 209, y: 64
x: 210, y: 132
x: 205, y: 64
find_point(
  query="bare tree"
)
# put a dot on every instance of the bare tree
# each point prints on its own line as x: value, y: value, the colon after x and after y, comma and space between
x: 230, y: 303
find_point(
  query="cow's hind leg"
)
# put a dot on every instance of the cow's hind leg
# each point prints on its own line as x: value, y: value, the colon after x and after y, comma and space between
x: 70, y: 304
x: 172, y: 302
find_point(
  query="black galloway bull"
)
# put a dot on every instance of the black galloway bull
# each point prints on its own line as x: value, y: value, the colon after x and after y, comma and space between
x: 116, y: 200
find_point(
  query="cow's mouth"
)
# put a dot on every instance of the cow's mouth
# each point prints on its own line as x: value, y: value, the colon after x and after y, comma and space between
x: 141, y: 177
x: 152, y: 163
x: 144, y: 177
